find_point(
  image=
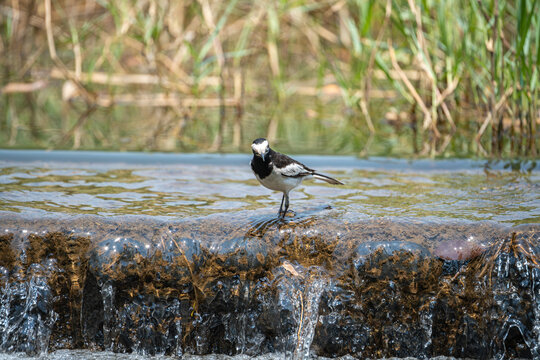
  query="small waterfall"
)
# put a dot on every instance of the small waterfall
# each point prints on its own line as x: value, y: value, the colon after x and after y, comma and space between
x: 308, y: 303
x: 109, y: 314
x: 532, y: 262
x: 238, y: 324
x: 5, y: 300
x: 515, y: 277
x: 426, y: 322
x: 536, y: 328
x: 176, y: 329
x: 26, y: 307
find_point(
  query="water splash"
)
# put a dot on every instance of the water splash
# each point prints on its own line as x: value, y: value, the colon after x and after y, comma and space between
x: 109, y: 314
x: 308, y: 302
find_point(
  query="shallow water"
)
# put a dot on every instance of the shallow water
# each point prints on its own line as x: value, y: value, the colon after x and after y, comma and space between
x: 183, y: 254
x: 171, y: 186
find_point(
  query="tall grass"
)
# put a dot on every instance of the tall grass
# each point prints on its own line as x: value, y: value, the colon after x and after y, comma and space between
x: 406, y: 77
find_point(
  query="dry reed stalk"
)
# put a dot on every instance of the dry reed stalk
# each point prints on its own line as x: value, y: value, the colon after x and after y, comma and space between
x: 271, y: 44
x: 88, y: 96
x: 14, y: 121
x: 238, y: 95
x: 371, y: 62
x: 429, y: 70
x: 76, y: 49
x: 369, y: 141
x: 446, y: 142
x: 80, y: 122
x: 441, y: 97
x: 410, y: 87
x: 216, y: 42
x: 411, y: 74
x: 31, y: 60
x: 18, y: 87
x: 218, y: 140
x: 135, y: 79
x: 161, y: 100
x: 367, y: 116
x: 326, y: 34
x: 489, y: 117
x: 365, y: 95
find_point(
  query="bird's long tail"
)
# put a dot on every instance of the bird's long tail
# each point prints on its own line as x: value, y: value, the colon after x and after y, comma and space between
x: 328, y: 179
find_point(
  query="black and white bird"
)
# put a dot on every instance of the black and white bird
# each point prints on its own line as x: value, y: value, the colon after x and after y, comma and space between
x: 281, y: 173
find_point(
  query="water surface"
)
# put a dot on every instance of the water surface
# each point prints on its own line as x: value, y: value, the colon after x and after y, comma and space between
x: 176, y: 186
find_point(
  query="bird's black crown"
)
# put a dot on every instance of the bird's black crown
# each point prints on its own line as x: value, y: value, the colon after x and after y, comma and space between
x: 259, y: 141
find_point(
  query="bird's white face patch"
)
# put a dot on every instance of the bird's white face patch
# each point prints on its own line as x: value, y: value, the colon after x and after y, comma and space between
x: 261, y: 148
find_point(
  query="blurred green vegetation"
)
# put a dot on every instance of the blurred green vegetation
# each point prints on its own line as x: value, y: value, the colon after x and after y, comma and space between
x: 394, y: 78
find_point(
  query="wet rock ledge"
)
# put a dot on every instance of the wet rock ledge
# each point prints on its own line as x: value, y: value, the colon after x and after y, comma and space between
x: 371, y: 288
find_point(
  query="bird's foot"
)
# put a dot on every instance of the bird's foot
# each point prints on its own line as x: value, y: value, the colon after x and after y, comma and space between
x: 288, y: 213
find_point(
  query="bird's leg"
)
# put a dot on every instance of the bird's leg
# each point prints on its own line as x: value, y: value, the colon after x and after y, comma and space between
x: 286, y: 195
x: 281, y: 206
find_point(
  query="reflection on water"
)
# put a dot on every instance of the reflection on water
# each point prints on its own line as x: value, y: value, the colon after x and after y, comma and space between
x: 184, y: 186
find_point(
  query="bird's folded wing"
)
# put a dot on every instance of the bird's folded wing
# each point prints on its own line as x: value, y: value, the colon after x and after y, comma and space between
x: 294, y: 170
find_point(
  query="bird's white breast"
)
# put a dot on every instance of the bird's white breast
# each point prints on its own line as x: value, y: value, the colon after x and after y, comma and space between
x: 278, y: 182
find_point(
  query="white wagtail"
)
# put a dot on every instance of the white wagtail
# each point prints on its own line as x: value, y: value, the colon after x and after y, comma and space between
x: 280, y: 172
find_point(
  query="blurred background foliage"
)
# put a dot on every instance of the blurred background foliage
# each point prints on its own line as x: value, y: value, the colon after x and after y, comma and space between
x: 395, y: 78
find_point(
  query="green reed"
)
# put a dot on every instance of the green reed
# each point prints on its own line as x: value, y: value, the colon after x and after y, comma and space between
x: 395, y: 77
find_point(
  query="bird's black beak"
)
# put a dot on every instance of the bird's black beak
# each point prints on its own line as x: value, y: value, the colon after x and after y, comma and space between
x: 262, y: 156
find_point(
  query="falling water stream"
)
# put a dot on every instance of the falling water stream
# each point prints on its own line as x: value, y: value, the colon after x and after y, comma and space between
x: 114, y: 255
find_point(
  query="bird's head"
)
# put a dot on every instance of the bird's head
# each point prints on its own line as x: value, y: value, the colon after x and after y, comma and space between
x: 260, y: 147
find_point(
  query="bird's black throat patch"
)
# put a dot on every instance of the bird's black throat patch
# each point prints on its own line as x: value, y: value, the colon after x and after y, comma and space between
x: 260, y: 167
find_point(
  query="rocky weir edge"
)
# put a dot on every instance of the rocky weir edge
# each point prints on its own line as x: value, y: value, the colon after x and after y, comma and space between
x: 368, y: 288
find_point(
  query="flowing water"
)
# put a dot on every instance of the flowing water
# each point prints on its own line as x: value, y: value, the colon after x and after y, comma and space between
x: 183, y: 255
x: 169, y: 186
